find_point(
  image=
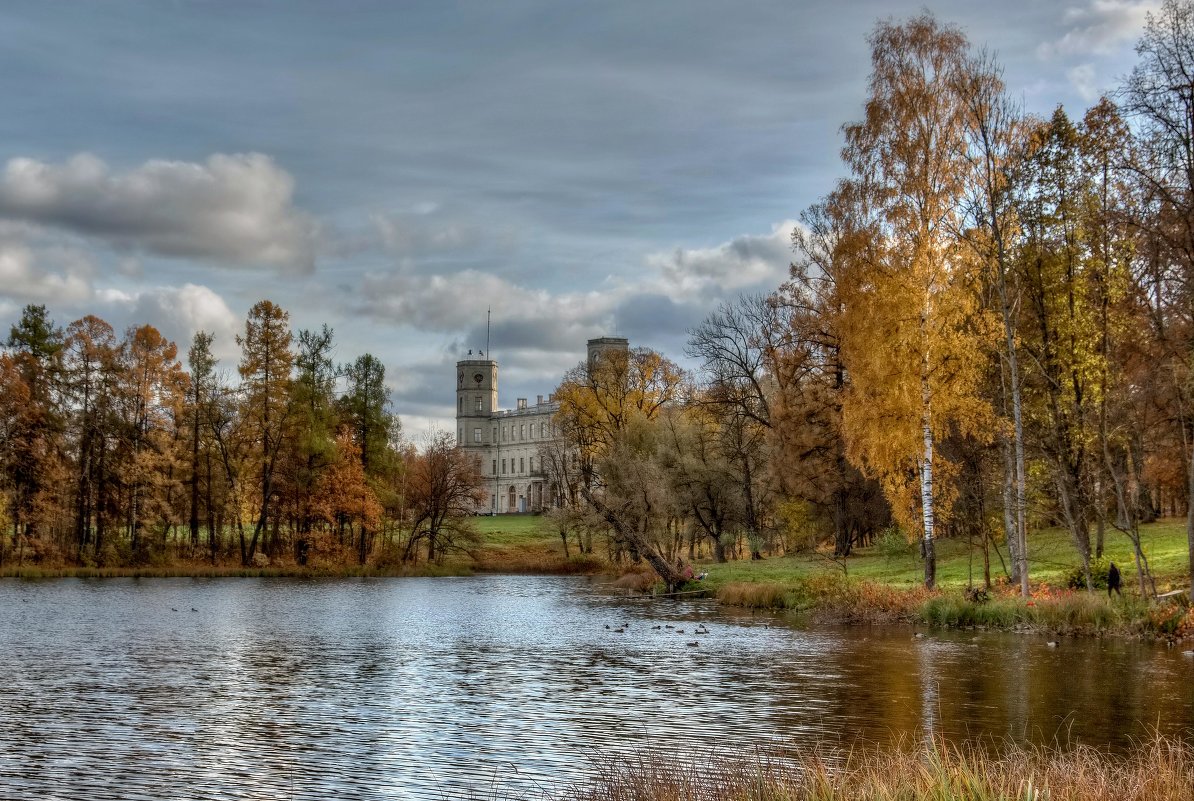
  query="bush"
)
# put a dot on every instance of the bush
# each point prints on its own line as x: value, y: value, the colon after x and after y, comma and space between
x: 892, y: 544
x: 1173, y: 621
x: 1076, y: 578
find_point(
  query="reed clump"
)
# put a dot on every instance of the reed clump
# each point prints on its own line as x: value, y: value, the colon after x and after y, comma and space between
x: 829, y: 596
x: 1159, y: 768
x: 759, y: 595
x: 834, y: 598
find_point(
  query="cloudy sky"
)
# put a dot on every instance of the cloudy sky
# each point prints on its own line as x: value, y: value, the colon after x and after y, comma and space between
x: 395, y: 169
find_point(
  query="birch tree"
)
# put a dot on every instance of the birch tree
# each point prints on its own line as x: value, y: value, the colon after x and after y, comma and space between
x: 912, y: 331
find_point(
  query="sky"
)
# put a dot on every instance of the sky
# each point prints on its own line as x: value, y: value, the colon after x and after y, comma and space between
x: 396, y: 169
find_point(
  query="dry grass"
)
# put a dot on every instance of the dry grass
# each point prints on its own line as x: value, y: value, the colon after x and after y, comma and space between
x: 1159, y: 769
x: 759, y: 595
x: 540, y: 564
x: 830, y: 597
x: 833, y: 598
x: 639, y: 582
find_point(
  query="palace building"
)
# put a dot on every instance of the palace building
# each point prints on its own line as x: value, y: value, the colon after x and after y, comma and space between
x: 506, y: 443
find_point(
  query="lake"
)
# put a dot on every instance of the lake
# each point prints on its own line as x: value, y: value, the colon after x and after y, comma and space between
x: 435, y: 688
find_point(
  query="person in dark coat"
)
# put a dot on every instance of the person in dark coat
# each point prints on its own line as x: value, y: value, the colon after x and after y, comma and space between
x: 1113, y: 581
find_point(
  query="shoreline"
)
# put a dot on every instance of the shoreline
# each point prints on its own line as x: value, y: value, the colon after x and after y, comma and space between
x: 820, y: 600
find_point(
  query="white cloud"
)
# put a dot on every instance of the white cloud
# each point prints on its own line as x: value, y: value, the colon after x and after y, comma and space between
x: 747, y: 261
x: 1099, y: 27
x: 231, y: 209
x: 178, y: 312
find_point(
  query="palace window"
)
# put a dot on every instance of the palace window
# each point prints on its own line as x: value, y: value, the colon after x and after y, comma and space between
x: 532, y: 464
x: 503, y: 467
x: 522, y: 465
x: 522, y: 431
x: 478, y: 403
x: 495, y: 467
x: 476, y: 435
x: 543, y: 430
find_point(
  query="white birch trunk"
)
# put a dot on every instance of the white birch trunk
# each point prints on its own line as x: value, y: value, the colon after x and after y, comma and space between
x: 926, y: 482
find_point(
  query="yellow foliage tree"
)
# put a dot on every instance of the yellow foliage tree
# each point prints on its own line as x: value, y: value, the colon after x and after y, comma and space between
x: 911, y: 326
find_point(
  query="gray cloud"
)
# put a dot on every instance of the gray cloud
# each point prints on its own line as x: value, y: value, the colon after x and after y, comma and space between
x: 1099, y: 27
x: 459, y: 301
x: 747, y: 261
x: 38, y: 273
x: 231, y: 209
x: 430, y: 231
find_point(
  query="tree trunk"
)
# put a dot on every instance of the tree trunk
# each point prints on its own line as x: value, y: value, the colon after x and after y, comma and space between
x: 719, y: 549
x: 662, y: 567
x: 926, y: 488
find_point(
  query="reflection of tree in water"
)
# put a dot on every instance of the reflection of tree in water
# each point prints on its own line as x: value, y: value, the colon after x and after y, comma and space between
x: 882, y: 685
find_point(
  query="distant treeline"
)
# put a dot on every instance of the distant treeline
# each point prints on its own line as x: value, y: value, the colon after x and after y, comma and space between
x: 111, y: 453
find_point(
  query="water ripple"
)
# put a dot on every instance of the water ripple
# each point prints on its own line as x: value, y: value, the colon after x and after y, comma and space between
x: 495, y: 686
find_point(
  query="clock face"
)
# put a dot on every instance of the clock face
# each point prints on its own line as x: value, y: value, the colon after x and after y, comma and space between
x: 478, y: 378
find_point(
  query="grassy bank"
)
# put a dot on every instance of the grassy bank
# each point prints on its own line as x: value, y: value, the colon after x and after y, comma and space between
x: 508, y: 544
x: 1064, y: 612
x: 884, y: 583
x: 1052, y: 557
x: 527, y: 544
x: 207, y: 570
x: 1159, y: 769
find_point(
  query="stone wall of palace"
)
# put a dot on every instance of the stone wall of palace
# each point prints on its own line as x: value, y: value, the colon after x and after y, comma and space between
x: 507, y: 443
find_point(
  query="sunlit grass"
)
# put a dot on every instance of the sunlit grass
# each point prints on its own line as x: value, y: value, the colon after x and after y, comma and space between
x: 1051, y: 559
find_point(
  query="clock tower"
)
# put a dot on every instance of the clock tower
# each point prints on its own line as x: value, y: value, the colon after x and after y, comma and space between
x: 476, y: 400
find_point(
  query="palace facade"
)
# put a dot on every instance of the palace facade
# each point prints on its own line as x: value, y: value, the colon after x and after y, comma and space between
x: 506, y: 443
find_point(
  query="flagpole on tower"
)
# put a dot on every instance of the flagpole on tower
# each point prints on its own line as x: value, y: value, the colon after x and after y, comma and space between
x: 487, y: 311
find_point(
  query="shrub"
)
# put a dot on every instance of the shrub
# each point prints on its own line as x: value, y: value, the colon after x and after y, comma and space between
x: 1076, y: 578
x: 1172, y: 621
x: 892, y: 544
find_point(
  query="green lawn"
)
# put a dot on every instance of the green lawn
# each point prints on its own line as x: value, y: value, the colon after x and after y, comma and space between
x: 1050, y: 552
x: 530, y: 539
x: 514, y: 530
x: 526, y: 544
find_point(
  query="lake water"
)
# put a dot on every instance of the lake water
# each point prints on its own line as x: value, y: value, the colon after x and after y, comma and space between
x: 503, y: 685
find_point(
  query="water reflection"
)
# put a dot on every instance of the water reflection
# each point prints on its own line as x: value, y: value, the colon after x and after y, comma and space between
x: 379, y: 689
